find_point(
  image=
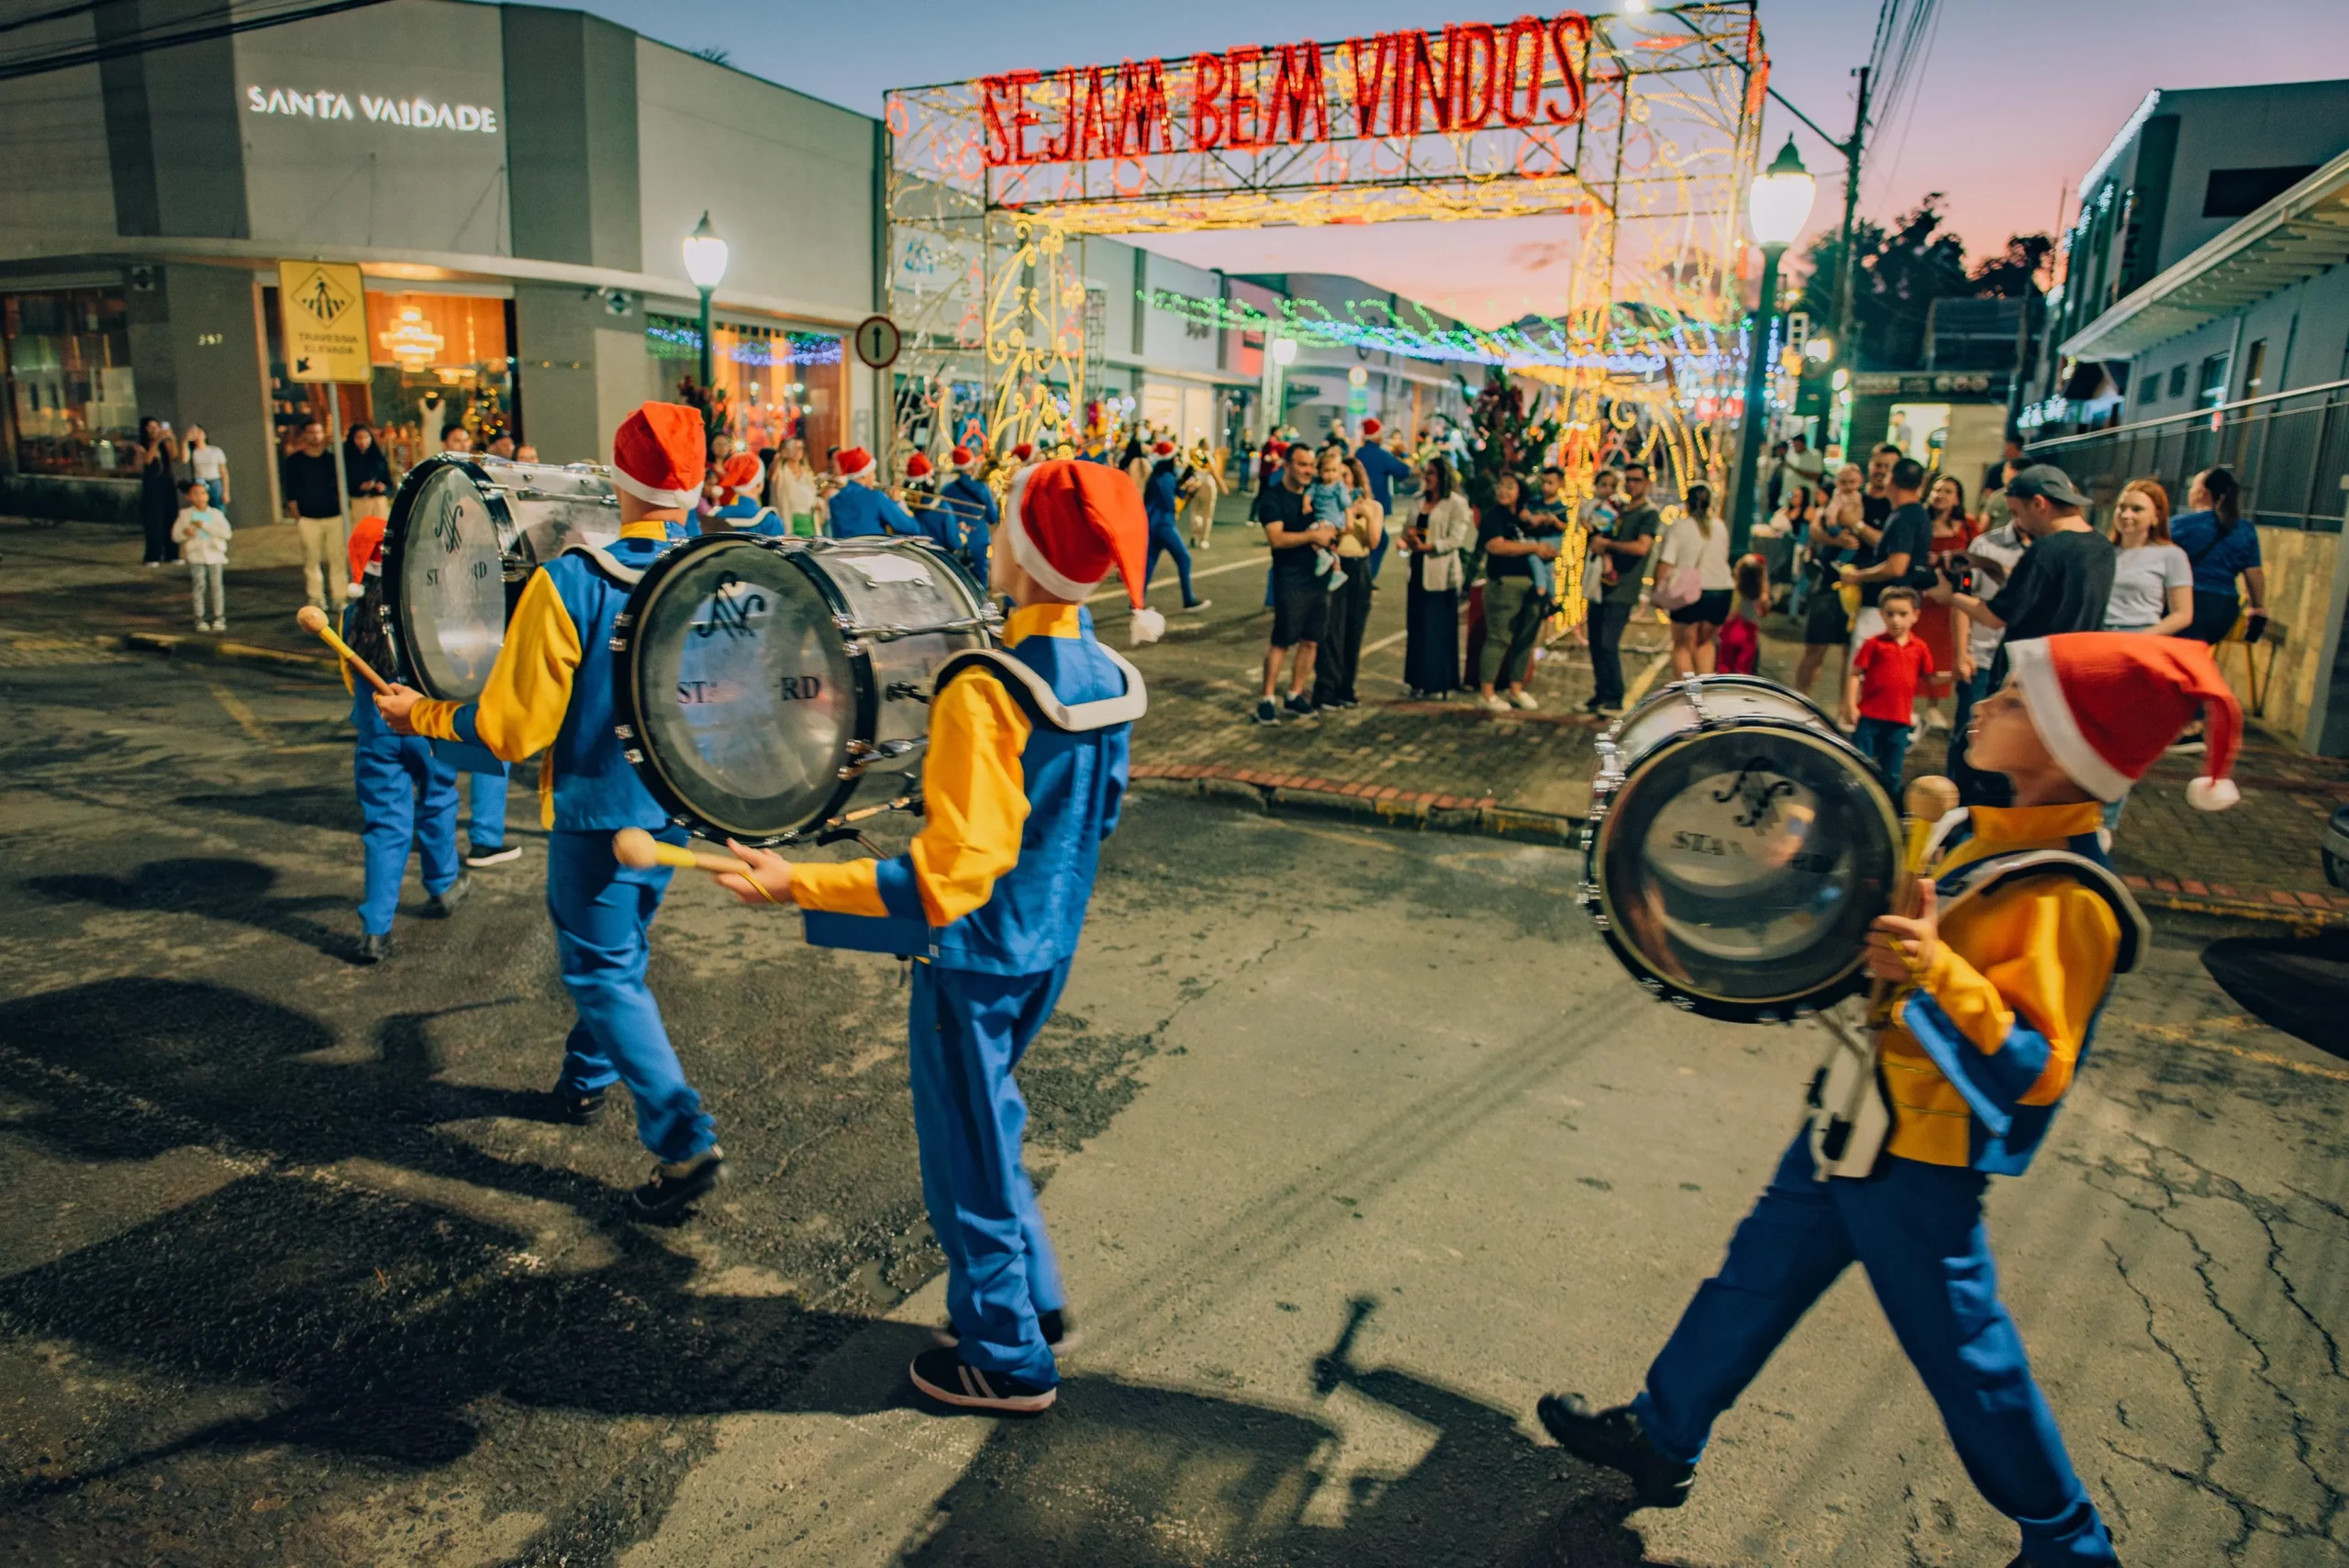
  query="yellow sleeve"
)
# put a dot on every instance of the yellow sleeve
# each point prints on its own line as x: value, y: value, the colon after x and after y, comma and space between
x: 976, y: 797
x: 520, y: 712
x: 2048, y: 948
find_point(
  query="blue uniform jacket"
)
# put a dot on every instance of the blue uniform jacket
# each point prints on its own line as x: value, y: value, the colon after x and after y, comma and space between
x: 858, y: 511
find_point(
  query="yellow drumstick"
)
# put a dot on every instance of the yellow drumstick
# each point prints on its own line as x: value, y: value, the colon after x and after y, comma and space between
x: 635, y: 847
x: 312, y: 619
x: 1926, y: 802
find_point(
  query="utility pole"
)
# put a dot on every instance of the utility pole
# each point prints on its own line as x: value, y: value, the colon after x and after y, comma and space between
x: 1846, y: 352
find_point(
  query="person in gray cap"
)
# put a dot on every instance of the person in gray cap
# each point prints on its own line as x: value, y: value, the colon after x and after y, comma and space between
x: 2062, y: 584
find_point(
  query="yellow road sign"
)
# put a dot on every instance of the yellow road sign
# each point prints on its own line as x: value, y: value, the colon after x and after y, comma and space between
x: 322, y: 306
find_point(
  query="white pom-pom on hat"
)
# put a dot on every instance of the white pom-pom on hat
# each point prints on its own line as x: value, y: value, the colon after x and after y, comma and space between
x: 2212, y: 795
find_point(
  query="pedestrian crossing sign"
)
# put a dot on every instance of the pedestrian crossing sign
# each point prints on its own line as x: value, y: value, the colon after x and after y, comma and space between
x: 322, y: 314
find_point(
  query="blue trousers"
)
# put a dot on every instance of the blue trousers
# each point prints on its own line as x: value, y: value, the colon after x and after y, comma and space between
x: 485, y: 814
x: 407, y: 798
x: 1885, y: 742
x: 965, y: 1034
x: 1166, y: 538
x: 603, y: 920
x: 1918, y: 1232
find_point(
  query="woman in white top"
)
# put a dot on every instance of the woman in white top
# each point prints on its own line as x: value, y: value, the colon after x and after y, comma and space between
x: 2152, y: 582
x: 1696, y: 543
x: 790, y: 489
x: 1200, y: 495
x: 207, y: 465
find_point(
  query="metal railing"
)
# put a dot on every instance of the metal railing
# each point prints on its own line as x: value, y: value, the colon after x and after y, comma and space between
x: 2290, y: 449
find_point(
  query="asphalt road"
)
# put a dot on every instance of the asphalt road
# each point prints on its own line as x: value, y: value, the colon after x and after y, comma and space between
x: 1354, y: 1141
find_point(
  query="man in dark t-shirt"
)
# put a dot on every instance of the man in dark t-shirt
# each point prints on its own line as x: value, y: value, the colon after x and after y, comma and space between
x: 313, y: 490
x: 1625, y: 548
x: 2062, y: 584
x: 1892, y: 551
x: 1300, y: 594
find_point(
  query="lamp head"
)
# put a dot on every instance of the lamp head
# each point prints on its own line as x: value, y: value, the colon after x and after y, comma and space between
x: 1284, y: 350
x: 704, y: 255
x: 1778, y: 205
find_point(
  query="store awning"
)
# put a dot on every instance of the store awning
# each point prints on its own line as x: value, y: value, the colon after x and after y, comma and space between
x: 2298, y: 235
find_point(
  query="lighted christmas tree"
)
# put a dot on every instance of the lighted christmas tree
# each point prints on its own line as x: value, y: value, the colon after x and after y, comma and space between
x: 1507, y: 433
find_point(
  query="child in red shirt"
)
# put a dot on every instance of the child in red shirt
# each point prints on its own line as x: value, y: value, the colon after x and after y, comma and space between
x: 1880, y: 693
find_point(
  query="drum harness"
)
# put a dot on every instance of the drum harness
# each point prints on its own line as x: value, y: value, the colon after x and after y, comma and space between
x: 1850, y: 1109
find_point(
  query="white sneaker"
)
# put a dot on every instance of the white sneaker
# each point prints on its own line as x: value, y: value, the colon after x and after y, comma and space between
x: 1525, y: 700
x: 1492, y: 704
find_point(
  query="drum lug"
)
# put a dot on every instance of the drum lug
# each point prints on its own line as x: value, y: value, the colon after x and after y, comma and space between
x: 616, y: 644
x: 852, y: 650
x: 905, y: 691
x: 624, y: 731
x: 633, y: 754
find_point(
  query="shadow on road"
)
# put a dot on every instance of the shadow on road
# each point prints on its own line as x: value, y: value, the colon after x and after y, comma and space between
x: 331, y: 807
x: 216, y: 889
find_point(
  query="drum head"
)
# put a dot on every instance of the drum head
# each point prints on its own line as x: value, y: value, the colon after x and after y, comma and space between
x: 1739, y: 865
x: 739, y: 693
x: 444, y: 581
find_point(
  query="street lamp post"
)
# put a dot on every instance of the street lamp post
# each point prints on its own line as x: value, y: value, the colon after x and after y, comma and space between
x: 1778, y: 206
x: 706, y: 265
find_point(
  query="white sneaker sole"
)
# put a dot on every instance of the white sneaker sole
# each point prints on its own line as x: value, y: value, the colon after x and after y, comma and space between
x: 495, y: 857
x: 970, y: 1399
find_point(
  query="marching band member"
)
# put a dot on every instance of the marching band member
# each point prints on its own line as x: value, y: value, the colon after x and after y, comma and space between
x: 2001, y: 975
x: 859, y: 507
x: 550, y: 691
x: 1026, y: 771
x: 972, y: 507
x: 407, y: 796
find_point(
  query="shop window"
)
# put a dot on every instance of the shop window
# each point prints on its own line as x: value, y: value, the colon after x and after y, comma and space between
x: 73, y: 404
x: 2239, y: 192
x: 435, y: 359
x: 774, y: 383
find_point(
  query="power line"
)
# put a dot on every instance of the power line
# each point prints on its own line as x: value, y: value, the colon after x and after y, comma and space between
x: 215, y: 20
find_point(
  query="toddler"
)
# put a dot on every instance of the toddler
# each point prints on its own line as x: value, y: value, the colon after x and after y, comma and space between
x: 1880, y: 693
x: 201, y: 530
x: 1331, y: 499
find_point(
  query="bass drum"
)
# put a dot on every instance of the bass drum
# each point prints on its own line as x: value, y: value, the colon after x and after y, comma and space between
x: 1737, y: 849
x: 465, y: 533
x: 772, y: 689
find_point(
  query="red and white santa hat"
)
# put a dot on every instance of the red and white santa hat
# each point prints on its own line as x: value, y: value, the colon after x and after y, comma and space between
x: 1070, y: 523
x: 2109, y: 702
x: 1163, y: 449
x: 917, y: 466
x: 659, y: 454
x: 961, y: 457
x: 1023, y: 452
x: 738, y: 473
x: 1370, y: 429
x: 852, y: 460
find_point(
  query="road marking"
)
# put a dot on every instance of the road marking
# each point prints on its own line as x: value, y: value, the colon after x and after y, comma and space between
x: 247, y: 720
x: 2182, y: 1034
x: 1119, y: 591
x: 1631, y: 699
x: 1385, y: 642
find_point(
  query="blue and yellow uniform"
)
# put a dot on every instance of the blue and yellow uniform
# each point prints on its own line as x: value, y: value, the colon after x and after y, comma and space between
x: 975, y: 517
x: 1000, y: 874
x: 551, y: 692
x: 1979, y: 1056
x: 861, y: 511
x: 407, y: 800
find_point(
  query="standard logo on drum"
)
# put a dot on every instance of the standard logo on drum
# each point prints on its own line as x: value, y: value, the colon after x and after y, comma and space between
x: 731, y: 613
x: 802, y: 688
x: 1759, y: 790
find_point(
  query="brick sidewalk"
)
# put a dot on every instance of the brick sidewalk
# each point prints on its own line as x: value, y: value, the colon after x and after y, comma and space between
x: 1442, y: 764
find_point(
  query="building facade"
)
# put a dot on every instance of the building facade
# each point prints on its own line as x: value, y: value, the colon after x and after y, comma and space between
x: 515, y: 183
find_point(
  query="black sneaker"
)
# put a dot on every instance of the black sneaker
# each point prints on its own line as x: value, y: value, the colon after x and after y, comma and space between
x: 1299, y: 704
x: 1266, y: 713
x: 443, y: 904
x: 577, y: 1109
x: 1198, y: 604
x: 1058, y: 1328
x: 674, y: 1187
x: 942, y: 1376
x: 374, y: 947
x: 477, y: 856
x: 1612, y: 1439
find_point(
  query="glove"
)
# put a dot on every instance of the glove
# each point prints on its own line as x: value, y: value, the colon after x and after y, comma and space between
x: 2255, y: 626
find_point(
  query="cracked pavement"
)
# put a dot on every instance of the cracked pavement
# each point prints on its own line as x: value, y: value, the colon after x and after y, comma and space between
x: 1354, y: 1141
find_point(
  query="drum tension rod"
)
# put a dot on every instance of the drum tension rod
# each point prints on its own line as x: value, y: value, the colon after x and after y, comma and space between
x: 905, y: 691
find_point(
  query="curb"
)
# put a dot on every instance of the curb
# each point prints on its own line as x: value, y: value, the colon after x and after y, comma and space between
x: 1384, y: 804
x: 172, y: 645
x: 2306, y: 913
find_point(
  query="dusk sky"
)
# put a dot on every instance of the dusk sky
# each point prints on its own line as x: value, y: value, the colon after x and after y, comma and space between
x: 2019, y: 97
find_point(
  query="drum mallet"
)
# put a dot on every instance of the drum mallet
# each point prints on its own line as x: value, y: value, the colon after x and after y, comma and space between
x: 312, y: 619
x: 636, y: 847
x: 1925, y: 802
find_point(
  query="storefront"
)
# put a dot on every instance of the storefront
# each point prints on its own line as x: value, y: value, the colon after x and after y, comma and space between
x: 515, y: 184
